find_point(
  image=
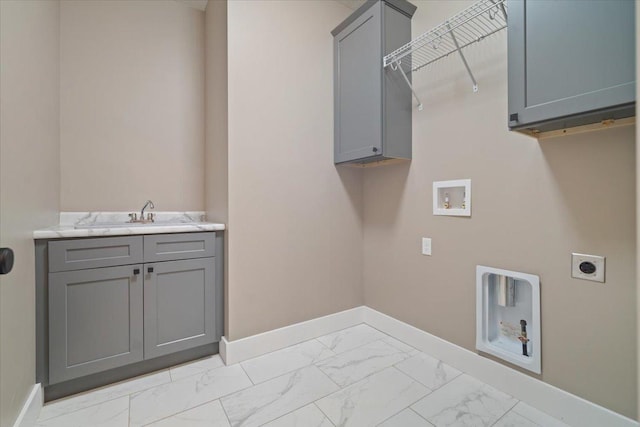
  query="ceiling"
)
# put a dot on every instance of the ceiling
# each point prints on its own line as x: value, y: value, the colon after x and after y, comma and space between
x: 351, y: 4
x: 202, y: 4
x: 196, y: 4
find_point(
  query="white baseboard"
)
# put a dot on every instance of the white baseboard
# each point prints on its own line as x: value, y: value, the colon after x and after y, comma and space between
x: 31, y: 410
x: 558, y: 403
x: 256, y: 345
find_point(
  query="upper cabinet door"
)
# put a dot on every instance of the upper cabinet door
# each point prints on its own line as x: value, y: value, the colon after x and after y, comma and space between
x: 358, y: 88
x: 570, y: 58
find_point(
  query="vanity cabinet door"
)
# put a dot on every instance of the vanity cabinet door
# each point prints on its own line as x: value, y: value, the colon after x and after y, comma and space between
x: 95, y: 320
x: 179, y: 301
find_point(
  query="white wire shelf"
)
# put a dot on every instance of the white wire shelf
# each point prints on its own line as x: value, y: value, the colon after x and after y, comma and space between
x: 478, y: 21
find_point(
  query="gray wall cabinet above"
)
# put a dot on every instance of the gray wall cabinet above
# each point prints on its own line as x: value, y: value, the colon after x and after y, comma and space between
x: 372, y: 111
x: 571, y: 63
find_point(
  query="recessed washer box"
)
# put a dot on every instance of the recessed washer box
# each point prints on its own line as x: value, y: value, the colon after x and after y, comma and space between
x: 452, y: 198
x: 508, y: 316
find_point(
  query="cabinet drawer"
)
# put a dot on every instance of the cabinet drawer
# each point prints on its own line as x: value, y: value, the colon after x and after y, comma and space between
x: 169, y: 247
x: 81, y: 254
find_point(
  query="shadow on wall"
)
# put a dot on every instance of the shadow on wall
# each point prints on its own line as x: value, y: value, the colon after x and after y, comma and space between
x: 351, y: 179
x: 594, y: 173
x: 390, y: 182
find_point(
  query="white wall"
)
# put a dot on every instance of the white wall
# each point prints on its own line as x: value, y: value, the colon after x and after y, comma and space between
x: 29, y: 179
x: 132, y: 105
x: 295, y: 231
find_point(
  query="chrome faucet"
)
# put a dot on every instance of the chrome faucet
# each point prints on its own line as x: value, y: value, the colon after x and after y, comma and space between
x: 148, y: 203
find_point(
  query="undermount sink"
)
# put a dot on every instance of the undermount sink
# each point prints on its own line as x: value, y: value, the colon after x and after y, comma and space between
x: 130, y: 224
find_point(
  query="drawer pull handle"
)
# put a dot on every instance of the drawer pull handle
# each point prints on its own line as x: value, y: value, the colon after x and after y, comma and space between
x: 150, y: 270
x: 136, y: 271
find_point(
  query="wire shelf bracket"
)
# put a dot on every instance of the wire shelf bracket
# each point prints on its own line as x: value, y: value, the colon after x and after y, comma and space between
x: 473, y: 24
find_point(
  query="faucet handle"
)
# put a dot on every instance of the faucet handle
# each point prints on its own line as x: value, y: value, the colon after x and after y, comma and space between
x: 133, y: 217
x: 151, y: 217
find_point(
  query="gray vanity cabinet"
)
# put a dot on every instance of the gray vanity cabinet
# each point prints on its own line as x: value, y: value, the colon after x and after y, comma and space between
x: 179, y: 306
x: 95, y: 320
x: 113, y: 301
x: 570, y: 63
x: 372, y: 105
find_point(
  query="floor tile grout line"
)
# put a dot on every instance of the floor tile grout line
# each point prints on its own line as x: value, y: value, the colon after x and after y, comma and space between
x: 253, y: 383
x: 183, y: 411
x: 420, y: 382
x: 322, y: 412
x: 195, y: 373
x: 281, y: 349
x: 379, y: 370
x: 312, y: 363
x: 299, y: 407
x: 103, y: 401
x: 315, y: 402
x: 406, y: 407
x: 392, y: 415
x: 506, y: 412
x: 353, y: 348
x: 128, y: 395
x: 415, y: 412
x: 204, y: 403
x: 224, y: 410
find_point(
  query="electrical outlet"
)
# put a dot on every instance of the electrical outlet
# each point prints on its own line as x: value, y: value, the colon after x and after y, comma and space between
x: 588, y: 267
x: 426, y: 246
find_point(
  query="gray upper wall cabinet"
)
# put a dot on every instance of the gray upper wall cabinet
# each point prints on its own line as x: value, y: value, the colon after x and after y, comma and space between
x: 372, y: 105
x: 571, y: 63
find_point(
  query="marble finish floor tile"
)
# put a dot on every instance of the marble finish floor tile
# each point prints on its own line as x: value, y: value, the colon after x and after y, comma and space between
x: 429, y: 371
x: 274, y: 398
x: 113, y: 413
x: 400, y: 345
x: 464, y: 401
x: 373, y: 399
x: 351, y: 338
x: 512, y: 419
x: 289, y: 359
x: 353, y: 365
x: 208, y: 415
x: 103, y: 394
x: 406, y: 418
x: 178, y: 396
x: 537, y: 416
x: 307, y: 416
x: 196, y: 367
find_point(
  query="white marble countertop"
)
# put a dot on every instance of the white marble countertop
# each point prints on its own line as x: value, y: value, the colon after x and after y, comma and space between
x: 165, y: 222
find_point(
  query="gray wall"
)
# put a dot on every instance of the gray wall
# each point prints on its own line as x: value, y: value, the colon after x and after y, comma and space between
x: 533, y: 204
x: 132, y: 105
x: 29, y: 179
